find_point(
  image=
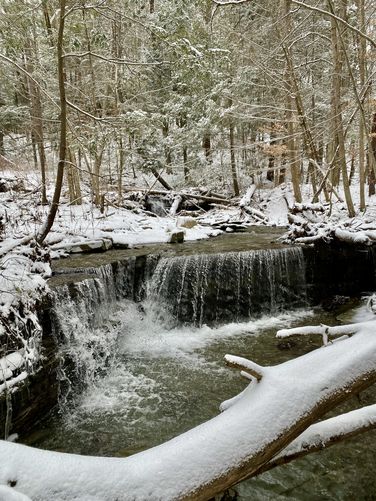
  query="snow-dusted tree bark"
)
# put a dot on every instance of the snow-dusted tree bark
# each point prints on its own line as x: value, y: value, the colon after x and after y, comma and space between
x: 291, y: 142
x: 362, y: 81
x: 63, y: 129
x: 339, y: 139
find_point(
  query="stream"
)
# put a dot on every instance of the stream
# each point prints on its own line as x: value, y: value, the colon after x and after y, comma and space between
x: 160, y: 382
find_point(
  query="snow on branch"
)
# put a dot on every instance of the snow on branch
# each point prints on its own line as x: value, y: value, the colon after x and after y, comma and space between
x: 245, y: 365
x: 324, y: 434
x: 325, y: 331
x: 230, y: 2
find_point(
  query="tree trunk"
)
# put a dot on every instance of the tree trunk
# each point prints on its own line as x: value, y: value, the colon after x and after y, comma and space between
x: 371, y: 171
x: 362, y: 78
x: 282, y: 170
x: 234, y: 174
x: 167, y: 149
x: 254, y: 427
x: 96, y: 176
x: 206, y: 144
x: 63, y: 128
x: 121, y: 163
x: 2, y: 146
x: 37, y: 119
x: 270, y: 171
x: 75, y: 197
x: 291, y: 143
x: 307, y: 134
x: 185, y: 162
x: 47, y: 22
x: 337, y: 116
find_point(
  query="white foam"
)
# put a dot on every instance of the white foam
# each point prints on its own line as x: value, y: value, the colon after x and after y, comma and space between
x: 135, y: 383
x: 141, y: 334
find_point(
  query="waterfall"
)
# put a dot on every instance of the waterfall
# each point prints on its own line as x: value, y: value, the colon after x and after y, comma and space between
x: 230, y: 286
x: 84, y: 320
x: 85, y: 332
x: 195, y: 289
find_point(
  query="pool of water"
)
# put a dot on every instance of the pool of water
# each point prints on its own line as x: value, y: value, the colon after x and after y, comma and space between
x: 160, y: 382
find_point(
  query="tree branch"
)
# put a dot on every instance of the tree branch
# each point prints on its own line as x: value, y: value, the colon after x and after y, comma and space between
x: 245, y: 365
x: 337, y: 18
x: 324, y: 434
x: 230, y: 2
x: 310, y: 7
x: 113, y: 60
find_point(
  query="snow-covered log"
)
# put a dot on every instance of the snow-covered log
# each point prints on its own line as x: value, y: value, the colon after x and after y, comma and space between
x: 217, y: 454
x: 299, y: 220
x: 246, y: 199
x: 206, y: 198
x: 324, y: 434
x: 316, y: 207
x: 351, y: 237
x: 175, y: 205
x: 321, y: 234
x: 256, y: 214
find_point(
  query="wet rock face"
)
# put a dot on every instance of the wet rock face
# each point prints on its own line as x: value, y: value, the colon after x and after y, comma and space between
x: 338, y: 270
x: 215, y: 288
x: 23, y: 406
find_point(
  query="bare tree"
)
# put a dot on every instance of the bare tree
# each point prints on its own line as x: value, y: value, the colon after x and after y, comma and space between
x: 63, y: 128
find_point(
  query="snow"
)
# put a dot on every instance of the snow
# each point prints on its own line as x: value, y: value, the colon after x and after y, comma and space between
x: 320, y: 434
x: 23, y: 271
x: 237, y: 437
x: 10, y: 494
x: 10, y: 363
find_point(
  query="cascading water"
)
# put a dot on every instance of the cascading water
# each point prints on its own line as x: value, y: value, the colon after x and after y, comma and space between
x: 84, y: 321
x: 195, y: 289
x: 85, y: 335
x: 230, y: 286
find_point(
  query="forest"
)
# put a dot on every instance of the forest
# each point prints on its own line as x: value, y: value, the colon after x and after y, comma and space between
x: 205, y: 94
x: 181, y: 180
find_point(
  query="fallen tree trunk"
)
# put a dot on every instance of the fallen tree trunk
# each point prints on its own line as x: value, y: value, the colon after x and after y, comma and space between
x: 246, y: 199
x: 206, y: 198
x: 262, y: 421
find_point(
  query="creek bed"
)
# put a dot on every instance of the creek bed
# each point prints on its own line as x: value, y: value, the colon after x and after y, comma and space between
x: 160, y: 382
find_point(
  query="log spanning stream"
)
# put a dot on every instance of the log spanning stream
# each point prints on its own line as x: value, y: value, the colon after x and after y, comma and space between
x: 136, y: 373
